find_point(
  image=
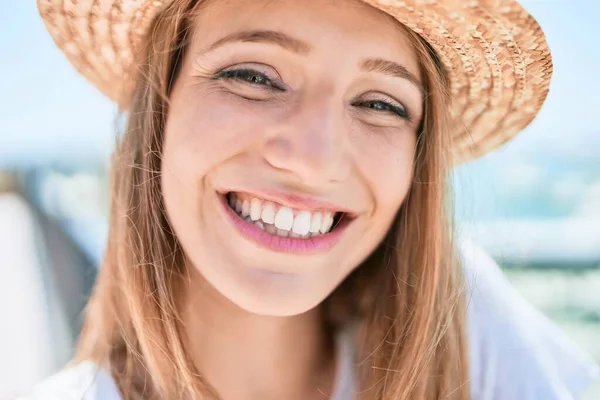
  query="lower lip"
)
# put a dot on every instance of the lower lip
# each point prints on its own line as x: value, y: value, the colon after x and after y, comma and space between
x: 281, y: 244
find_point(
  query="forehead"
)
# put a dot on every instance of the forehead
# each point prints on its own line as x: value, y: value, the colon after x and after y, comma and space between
x: 345, y: 28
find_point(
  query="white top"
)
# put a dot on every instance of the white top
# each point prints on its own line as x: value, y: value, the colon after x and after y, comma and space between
x: 515, y: 351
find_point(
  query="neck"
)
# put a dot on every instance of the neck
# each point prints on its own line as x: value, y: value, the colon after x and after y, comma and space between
x: 248, y: 356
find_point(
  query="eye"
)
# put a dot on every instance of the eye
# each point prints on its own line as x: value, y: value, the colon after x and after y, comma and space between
x: 385, y: 107
x: 250, y: 77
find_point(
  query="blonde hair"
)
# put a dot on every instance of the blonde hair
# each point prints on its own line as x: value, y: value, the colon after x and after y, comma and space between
x: 407, y: 296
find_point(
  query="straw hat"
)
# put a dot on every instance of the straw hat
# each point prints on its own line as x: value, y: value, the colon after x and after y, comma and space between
x: 496, y: 56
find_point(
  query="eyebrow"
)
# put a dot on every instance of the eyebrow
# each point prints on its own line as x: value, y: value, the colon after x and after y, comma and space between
x: 392, y: 69
x: 262, y: 36
x: 379, y: 65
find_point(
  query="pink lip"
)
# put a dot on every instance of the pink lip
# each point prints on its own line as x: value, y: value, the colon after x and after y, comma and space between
x: 284, y: 244
x: 295, y: 201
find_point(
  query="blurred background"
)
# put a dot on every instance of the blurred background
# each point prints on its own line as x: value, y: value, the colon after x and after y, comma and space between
x: 534, y: 205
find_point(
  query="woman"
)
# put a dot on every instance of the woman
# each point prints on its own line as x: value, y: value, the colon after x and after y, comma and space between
x: 279, y: 226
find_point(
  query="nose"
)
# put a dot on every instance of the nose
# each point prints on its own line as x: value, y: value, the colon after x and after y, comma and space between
x: 311, y: 145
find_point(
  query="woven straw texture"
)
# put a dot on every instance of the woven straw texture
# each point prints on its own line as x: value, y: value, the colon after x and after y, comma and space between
x: 496, y: 56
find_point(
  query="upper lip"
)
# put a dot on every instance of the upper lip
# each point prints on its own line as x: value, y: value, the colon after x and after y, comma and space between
x: 296, y: 201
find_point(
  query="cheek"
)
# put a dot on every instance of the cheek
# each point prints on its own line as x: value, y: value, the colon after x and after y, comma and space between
x: 388, y: 165
x: 202, y: 133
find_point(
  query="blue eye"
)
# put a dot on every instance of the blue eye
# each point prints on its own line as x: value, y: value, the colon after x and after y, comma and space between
x: 248, y: 76
x: 384, y: 106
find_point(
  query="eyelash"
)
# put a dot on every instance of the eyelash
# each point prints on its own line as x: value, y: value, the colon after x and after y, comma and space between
x: 385, y: 106
x: 245, y: 75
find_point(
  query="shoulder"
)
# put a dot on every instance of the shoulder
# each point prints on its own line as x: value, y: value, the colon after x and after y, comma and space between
x: 83, y: 381
x: 515, y: 350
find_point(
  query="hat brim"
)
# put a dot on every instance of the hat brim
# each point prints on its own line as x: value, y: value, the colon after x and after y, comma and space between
x: 495, y: 54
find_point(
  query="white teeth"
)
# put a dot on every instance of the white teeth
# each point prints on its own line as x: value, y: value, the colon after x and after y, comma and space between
x: 245, y: 208
x: 326, y: 223
x: 280, y: 220
x: 315, y: 222
x: 301, y: 224
x: 268, y: 213
x: 255, y: 209
x: 284, y: 218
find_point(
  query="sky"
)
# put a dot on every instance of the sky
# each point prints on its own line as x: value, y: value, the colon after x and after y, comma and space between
x: 48, y: 107
x: 49, y: 114
x: 552, y: 169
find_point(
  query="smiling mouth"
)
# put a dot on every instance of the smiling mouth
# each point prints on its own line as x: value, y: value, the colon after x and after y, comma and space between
x: 282, y: 221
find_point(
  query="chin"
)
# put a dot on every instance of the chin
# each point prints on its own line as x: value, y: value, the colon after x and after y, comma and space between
x: 271, y: 294
x: 274, y: 307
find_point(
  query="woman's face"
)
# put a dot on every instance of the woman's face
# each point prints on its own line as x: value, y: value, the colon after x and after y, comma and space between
x: 289, y: 117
